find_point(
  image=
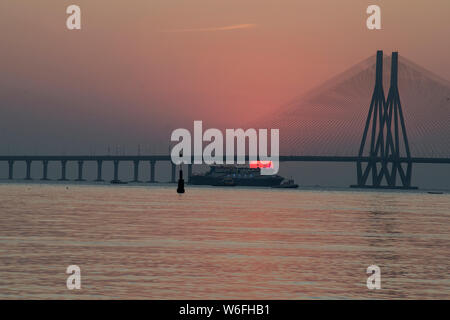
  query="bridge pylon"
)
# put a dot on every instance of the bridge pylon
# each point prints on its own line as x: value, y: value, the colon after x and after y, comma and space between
x: 384, y: 149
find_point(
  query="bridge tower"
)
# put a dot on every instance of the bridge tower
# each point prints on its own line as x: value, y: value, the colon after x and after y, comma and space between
x: 387, y: 146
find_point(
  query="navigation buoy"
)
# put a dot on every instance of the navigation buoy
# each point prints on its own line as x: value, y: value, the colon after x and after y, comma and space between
x: 180, y: 188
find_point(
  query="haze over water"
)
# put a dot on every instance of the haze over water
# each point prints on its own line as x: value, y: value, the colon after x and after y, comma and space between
x: 219, y: 243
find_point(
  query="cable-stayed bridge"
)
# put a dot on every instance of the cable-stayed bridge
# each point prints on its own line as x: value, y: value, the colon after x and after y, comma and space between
x: 384, y: 136
x: 330, y: 119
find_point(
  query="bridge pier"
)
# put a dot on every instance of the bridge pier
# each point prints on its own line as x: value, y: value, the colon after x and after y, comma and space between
x: 44, y: 170
x: 189, y: 172
x: 136, y: 171
x: 11, y: 169
x: 116, y: 170
x: 152, y: 171
x: 80, y: 170
x: 386, y: 126
x: 99, y: 170
x: 28, y: 177
x: 63, y: 170
x: 174, y: 167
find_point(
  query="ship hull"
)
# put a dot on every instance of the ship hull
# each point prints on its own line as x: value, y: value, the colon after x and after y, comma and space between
x: 261, y: 181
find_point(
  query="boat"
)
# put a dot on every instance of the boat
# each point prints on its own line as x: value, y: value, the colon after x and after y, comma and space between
x: 225, y: 182
x: 289, y: 184
x: 435, y: 192
x: 237, y: 175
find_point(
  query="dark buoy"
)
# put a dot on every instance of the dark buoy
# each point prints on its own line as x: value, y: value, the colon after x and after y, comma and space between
x: 180, y: 188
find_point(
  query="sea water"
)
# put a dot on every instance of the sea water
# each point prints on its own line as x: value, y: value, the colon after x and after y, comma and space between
x: 148, y: 242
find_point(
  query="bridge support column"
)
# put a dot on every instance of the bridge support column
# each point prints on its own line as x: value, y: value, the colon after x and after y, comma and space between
x: 63, y: 170
x: 386, y: 126
x: 174, y: 167
x: 28, y: 177
x: 136, y: 171
x: 152, y: 171
x: 189, y: 172
x: 44, y: 170
x: 409, y: 173
x: 116, y: 170
x: 99, y: 170
x: 11, y: 169
x: 80, y: 170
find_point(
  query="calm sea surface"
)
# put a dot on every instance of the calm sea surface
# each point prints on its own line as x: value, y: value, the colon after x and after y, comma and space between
x: 221, y: 243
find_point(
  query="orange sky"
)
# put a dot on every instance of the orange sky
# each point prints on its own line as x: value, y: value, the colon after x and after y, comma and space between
x: 143, y: 65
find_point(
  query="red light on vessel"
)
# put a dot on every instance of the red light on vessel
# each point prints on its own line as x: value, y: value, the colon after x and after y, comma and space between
x: 261, y: 164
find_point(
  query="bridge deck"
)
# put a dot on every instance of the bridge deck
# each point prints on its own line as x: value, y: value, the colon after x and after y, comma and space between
x: 168, y: 158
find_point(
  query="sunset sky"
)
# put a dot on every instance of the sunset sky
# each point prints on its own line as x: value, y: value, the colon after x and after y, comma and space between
x: 139, y: 69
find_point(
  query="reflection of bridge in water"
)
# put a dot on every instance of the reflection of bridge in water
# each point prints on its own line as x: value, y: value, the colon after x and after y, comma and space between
x: 384, y: 159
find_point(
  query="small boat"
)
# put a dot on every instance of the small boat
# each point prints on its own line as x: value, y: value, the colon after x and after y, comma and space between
x: 225, y: 182
x: 435, y: 192
x: 118, y: 182
x: 287, y: 185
